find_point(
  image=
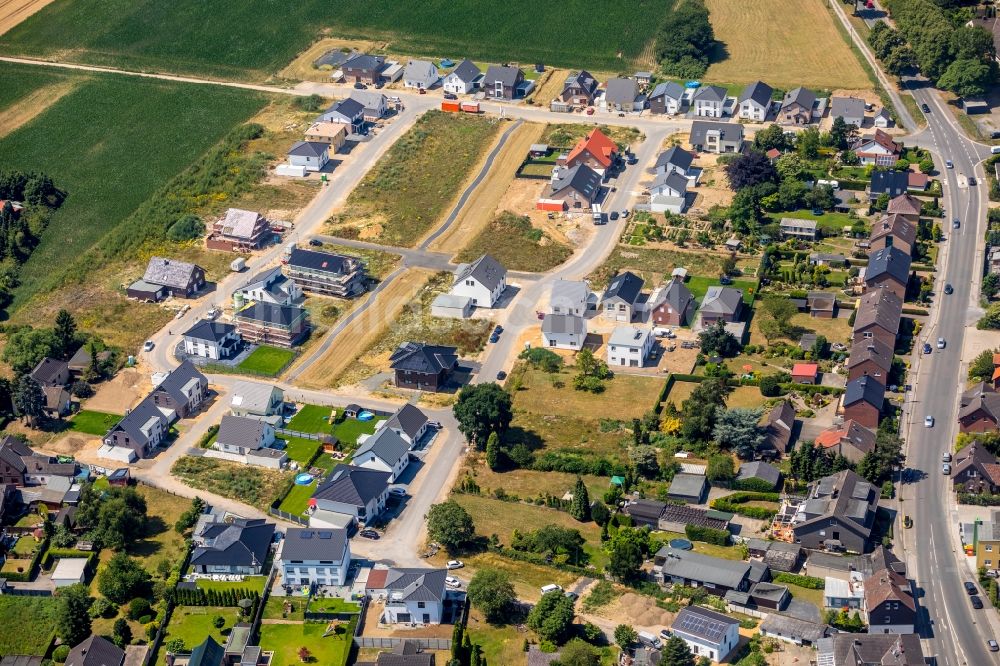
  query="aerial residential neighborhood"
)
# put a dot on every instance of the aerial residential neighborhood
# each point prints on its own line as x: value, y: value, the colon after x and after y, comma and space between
x: 390, y: 334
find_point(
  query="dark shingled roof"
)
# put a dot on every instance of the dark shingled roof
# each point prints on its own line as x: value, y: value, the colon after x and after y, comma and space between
x: 313, y: 544
x: 889, y: 181
x: 48, y: 370
x: 421, y: 357
x: 889, y: 261
x: 486, y: 270
x: 864, y: 389
x: 321, y: 261
x: 210, y: 331
x: 581, y: 178
x: 676, y: 156
x: 270, y: 313
x: 308, y: 149
x: 96, y: 651
x: 625, y: 286
x: 409, y: 419
x: 759, y: 92
x: 879, y: 307
x: 758, y: 469
x: 466, y: 71
x: 352, y: 485
x: 244, y: 542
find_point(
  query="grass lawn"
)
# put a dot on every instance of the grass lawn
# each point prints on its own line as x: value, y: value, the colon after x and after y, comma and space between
x: 527, y: 578
x: 413, y: 185
x: 297, y: 499
x: 249, y: 583
x: 253, y: 485
x: 267, y: 361
x: 25, y: 547
x: 745, y: 396
x: 193, y: 623
x: 311, y: 418
x: 348, y: 430
x: 512, y: 241
x: 333, y: 605
x: 286, y: 639
x: 274, y: 609
x: 300, y: 449
x: 528, y: 483
x: 833, y: 223
x: 680, y: 391
x: 699, y: 287
x: 36, y: 618
x: 814, y: 597
x: 93, y: 423
x: 654, y: 265
x: 625, y: 397
x: 110, y: 125
x: 816, y: 55
x: 723, y: 552
x: 162, y: 542
x: 835, y: 330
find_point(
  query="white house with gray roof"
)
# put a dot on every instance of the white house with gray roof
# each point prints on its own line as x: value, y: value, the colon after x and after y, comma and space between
x: 622, y: 300
x: 622, y: 95
x: 463, y: 79
x: 312, y: 155
x: 270, y: 286
x: 564, y: 331
x: 483, y: 281
x: 713, y: 137
x: 314, y: 557
x: 851, y: 109
x: 754, y: 102
x: 420, y: 74
x: 408, y: 422
x: 357, y: 492
x: 256, y: 400
x: 374, y: 105
x: 410, y: 595
x: 707, y: 633
x: 668, y: 193
x: 667, y: 97
x: 249, y: 441
x: 629, y: 346
x: 571, y: 297
x: 385, y: 451
x: 346, y: 112
x: 211, y: 339
x: 709, y: 102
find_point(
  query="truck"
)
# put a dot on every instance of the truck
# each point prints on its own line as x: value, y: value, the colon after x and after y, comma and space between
x: 238, y: 264
x: 453, y: 107
x: 597, y: 213
x: 470, y: 107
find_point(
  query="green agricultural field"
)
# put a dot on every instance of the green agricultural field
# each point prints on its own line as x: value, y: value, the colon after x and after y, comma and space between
x: 119, y: 140
x: 36, y: 614
x: 267, y: 361
x: 20, y: 82
x: 93, y: 423
x: 198, y: 37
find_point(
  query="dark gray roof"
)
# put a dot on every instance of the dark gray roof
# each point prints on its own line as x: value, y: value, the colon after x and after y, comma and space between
x: 271, y: 313
x: 678, y: 296
x: 693, y: 515
x: 352, y: 485
x: 889, y: 181
x: 676, y: 156
x: 365, y: 62
x: 308, y: 149
x: 625, y: 286
x: 758, y: 469
x: 852, y: 107
x: 327, y: 262
x: 313, y: 544
x: 210, y: 331
x: 871, y: 349
x: 486, y: 270
x: 406, y: 653
x: 704, y: 568
x: 722, y: 300
x: 870, y: 650
x: 673, y: 180
x: 169, y: 272
x: 177, y: 379
x: 12, y: 452
x: 385, y: 445
x: 241, y: 431
x: 409, y: 419
x: 563, y: 323
x: 703, y: 623
x: 244, y: 542
x: 466, y: 71
x: 710, y: 94
x: 420, y: 357
x: 727, y: 131
x: 889, y: 260
x: 208, y: 653
x: 582, y: 79
x: 48, y: 370
x: 141, y: 414
x: 881, y: 307
x: 621, y: 91
x: 506, y: 75
x: 645, y: 508
x: 417, y: 584
x: 759, y: 92
x: 668, y: 89
x: 800, y: 95
x: 687, y: 485
x: 96, y: 651
x: 349, y: 108
x: 581, y: 178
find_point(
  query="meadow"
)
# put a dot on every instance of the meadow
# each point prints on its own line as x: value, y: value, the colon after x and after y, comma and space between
x: 110, y: 144
x: 198, y: 37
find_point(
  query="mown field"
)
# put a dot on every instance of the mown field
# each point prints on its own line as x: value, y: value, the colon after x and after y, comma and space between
x: 110, y: 144
x: 199, y: 37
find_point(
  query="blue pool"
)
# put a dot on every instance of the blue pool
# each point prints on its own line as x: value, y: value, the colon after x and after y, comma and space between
x: 303, y: 479
x: 681, y: 544
x: 365, y: 415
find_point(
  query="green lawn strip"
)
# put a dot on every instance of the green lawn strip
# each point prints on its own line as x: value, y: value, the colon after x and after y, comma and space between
x: 36, y: 617
x: 814, y: 597
x: 311, y: 418
x: 699, y: 285
x: 297, y: 499
x: 266, y: 360
x: 348, y: 430
x: 250, y: 583
x: 192, y: 624
x: 723, y: 552
x: 286, y: 639
x: 832, y: 223
x: 332, y: 605
x: 274, y: 609
x: 25, y: 547
x: 93, y: 423
x: 19, y: 81
x: 299, y: 449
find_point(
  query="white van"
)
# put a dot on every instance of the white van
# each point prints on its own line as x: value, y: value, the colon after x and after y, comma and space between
x: 551, y: 588
x: 649, y: 640
x: 995, y: 150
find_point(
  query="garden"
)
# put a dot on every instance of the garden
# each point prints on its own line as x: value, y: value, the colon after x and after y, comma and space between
x: 93, y: 423
x: 266, y: 361
x: 254, y: 485
x: 288, y: 640
x: 36, y: 616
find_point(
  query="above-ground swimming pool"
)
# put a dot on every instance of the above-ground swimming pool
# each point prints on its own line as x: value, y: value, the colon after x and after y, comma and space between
x: 365, y: 415
x: 303, y: 479
x: 681, y: 544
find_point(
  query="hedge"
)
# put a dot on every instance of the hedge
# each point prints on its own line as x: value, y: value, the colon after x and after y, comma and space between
x: 734, y: 504
x: 707, y: 535
x: 977, y: 499
x: 26, y: 576
x: 534, y: 558
x: 53, y: 554
x: 688, y: 378
x: 808, y: 582
x: 212, y: 431
x: 754, y: 485
x: 812, y: 388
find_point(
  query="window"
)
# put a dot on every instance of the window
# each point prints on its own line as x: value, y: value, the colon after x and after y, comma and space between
x: 988, y: 563
x: 989, y: 548
x: 421, y: 604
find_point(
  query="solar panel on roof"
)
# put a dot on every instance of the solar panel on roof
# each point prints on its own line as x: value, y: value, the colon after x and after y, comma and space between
x: 325, y: 535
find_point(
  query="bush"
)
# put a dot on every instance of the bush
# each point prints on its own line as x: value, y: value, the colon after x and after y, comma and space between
x: 60, y: 654
x: 808, y: 582
x: 103, y: 608
x: 734, y: 504
x: 707, y: 535
x: 138, y: 608
x: 754, y: 485
x: 186, y: 228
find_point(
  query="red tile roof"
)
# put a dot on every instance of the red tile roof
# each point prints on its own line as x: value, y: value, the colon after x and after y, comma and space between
x: 917, y: 180
x: 597, y: 144
x: 376, y: 579
x: 805, y: 369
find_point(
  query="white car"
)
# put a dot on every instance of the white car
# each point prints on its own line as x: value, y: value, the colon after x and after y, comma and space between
x: 946, y: 469
x: 398, y: 491
x: 928, y: 421
x: 148, y: 346
x: 946, y: 457
x: 940, y: 343
x: 434, y: 424
x: 452, y: 582
x: 455, y: 564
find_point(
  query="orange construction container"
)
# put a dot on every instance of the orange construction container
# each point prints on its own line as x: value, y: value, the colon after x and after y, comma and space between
x: 551, y: 204
x: 470, y: 107
x: 454, y: 107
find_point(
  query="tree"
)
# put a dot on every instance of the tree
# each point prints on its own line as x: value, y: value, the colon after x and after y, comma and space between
x: 791, y: 194
x: 493, y: 451
x: 625, y: 636
x: 750, y: 169
x: 121, y: 633
x: 776, y: 314
x: 482, y: 409
x: 187, y: 227
x: 808, y: 142
x: 599, y: 513
x: 991, y: 284
x: 188, y: 519
x: 27, y: 346
x: 878, y: 464
x: 841, y: 133
x: 65, y: 333
x: 176, y: 646
x: 72, y: 617
x: 699, y: 409
x: 579, y: 508
x: 721, y: 469
x: 491, y: 591
x: 552, y: 617
x: 739, y: 429
x: 450, y: 525
x: 967, y: 77
x: 29, y: 400
x: 122, y: 579
x: 113, y: 518
x: 627, y: 550
x: 717, y: 340
x: 578, y: 652
x: 770, y: 385
x: 305, y: 656
x: 772, y: 136
x: 645, y: 459
x: 990, y: 320
x: 791, y: 167
x: 981, y: 368
x: 676, y: 653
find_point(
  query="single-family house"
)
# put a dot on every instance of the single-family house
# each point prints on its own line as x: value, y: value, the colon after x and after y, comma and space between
x: 384, y: 451
x: 577, y: 188
x: 645, y: 512
x: 883, y: 119
x: 79, y: 362
x: 629, y: 346
x: 484, y: 281
x: 980, y: 409
x: 503, y: 82
x: 893, y: 231
x: 849, y: 439
x: 889, y: 268
x: 51, y: 372
x: 622, y: 95
x: 141, y: 430
x: 975, y: 470
x: 412, y: 596
x: 238, y: 547
x: 348, y: 112
x: 242, y: 434
x: 256, y: 400
x: 889, y: 604
x: 987, y: 542
x: 793, y: 630
x: 870, y: 650
x: 793, y: 227
x: 95, y: 651
x: 862, y: 401
x: 716, y: 575
x: 269, y: 286
x: 849, y: 109
x: 375, y: 105
x: 676, y: 160
x: 462, y: 79
x: 892, y: 183
x: 723, y: 304
x: 805, y: 373
x: 754, y: 102
x: 708, y: 633
x: 211, y: 339
x: 906, y: 205
x: 621, y: 300
x: 759, y: 473
x: 797, y: 107
x: 22, y: 466
x: 570, y: 297
x: 239, y: 231
x: 314, y: 557
x: 421, y: 366
x: 409, y: 423
x: 420, y: 74
x: 670, y: 184
x: 709, y: 101
x: 332, y: 134
x: 325, y: 273
x: 838, y: 514
x: 878, y: 314
x: 666, y: 97
x: 850, y: 594
x: 779, y: 426
x: 182, y: 391
x: 870, y: 358
x: 358, y: 492
x: 310, y: 155
x: 272, y: 324
x: 564, y: 331
x: 687, y: 487
x: 596, y: 150
x: 363, y: 68
x: 878, y: 149
x: 580, y: 89
x: 715, y: 137
x: 167, y: 277
x: 674, y: 306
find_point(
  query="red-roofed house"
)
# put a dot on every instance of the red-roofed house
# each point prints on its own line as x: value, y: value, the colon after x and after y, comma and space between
x: 917, y: 181
x: 906, y: 205
x: 805, y: 373
x: 878, y: 149
x: 595, y: 150
x: 851, y: 440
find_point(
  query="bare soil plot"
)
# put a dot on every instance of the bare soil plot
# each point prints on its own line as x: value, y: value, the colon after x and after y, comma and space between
x: 122, y: 392
x: 517, y: 244
x: 301, y: 69
x: 791, y: 44
x: 564, y: 135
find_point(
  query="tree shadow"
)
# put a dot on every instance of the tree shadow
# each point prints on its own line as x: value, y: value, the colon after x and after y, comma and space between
x: 518, y: 435
x: 718, y: 53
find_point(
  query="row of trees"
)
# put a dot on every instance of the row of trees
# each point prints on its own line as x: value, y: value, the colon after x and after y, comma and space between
x: 686, y: 40
x: 20, y: 231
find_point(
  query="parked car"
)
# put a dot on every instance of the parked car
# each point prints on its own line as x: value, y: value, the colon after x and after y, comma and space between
x: 614, y: 215
x: 665, y: 634
x: 927, y: 348
x: 948, y: 289
x: 498, y: 330
x: 453, y: 582
x: 494, y: 338
x: 977, y: 603
x: 941, y: 343
x: 626, y: 212
x: 148, y: 346
x: 970, y: 587
x: 946, y: 469
x: 315, y: 242
x: 928, y: 421
x: 359, y: 86
x: 434, y: 424
x: 972, y: 181
x: 946, y: 457
x: 449, y: 95
x: 551, y: 587
x: 992, y: 645
x: 455, y: 564
x: 501, y: 375
x: 572, y: 595
x: 369, y: 534
x: 398, y: 491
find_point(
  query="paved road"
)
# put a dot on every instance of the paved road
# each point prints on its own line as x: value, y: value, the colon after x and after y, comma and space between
x: 412, y: 257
